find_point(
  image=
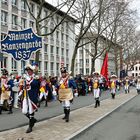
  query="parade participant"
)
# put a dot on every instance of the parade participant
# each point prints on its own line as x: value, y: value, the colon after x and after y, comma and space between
x: 5, y: 91
x: 126, y: 84
x: 113, y: 85
x: 29, y: 93
x: 65, y: 92
x: 96, y: 89
x: 138, y: 85
x: 43, y: 91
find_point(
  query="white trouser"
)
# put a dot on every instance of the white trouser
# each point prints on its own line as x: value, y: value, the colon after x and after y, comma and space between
x: 66, y: 104
x: 96, y: 93
x: 126, y: 87
x: 43, y: 94
x: 16, y: 99
x: 113, y: 90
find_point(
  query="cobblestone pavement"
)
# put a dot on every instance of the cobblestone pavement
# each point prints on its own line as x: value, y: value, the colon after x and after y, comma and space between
x: 58, y: 129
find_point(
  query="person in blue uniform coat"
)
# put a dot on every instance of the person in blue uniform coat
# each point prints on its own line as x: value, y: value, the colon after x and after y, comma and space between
x: 29, y: 93
x: 66, y: 86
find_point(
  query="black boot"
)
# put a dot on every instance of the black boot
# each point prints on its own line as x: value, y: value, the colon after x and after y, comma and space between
x: 112, y: 95
x: 39, y: 102
x: 32, y: 122
x: 96, y: 103
x: 67, y: 115
x: 65, y: 112
x: 46, y: 103
x: 10, y: 109
x: 0, y: 109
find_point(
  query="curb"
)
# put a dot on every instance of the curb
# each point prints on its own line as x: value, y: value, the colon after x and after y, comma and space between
x: 74, y: 135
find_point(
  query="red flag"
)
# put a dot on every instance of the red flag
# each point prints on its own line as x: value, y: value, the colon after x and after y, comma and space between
x: 104, y: 70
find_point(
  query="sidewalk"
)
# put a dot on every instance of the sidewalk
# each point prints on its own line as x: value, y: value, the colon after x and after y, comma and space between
x: 80, y: 119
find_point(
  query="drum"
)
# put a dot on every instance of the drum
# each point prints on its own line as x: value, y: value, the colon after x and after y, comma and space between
x: 65, y: 94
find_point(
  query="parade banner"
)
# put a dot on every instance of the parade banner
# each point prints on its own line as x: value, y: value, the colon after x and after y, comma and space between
x: 21, y: 44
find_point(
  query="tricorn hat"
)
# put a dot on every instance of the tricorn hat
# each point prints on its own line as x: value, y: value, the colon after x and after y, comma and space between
x: 63, y: 70
x: 4, y: 72
x: 29, y: 67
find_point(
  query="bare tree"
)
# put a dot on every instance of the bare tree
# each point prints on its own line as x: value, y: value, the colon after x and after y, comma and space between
x: 41, y: 22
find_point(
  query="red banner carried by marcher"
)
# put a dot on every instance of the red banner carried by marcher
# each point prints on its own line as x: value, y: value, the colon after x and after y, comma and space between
x: 104, y: 70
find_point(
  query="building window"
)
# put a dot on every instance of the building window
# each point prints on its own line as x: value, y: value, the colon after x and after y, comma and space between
x: 52, y: 65
x: 57, y: 66
x: 139, y: 68
x: 136, y: 68
x: 87, y: 61
x: 62, y: 36
x: 45, y: 48
x: 14, y: 64
x: 23, y: 22
x: 45, y: 13
x: 52, y: 49
x: 32, y: 8
x: 136, y: 74
x: 87, y: 71
x: 57, y: 50
x: 32, y: 24
x: 67, y: 53
x: 3, y: 36
x: 45, y: 30
x: 67, y: 38
x: 14, y: 2
x: 67, y: 66
x: 57, y: 19
x: 4, y: 1
x: 57, y: 34
x: 62, y: 51
x: 46, y: 65
x: 23, y: 5
x: 81, y: 62
x: 4, y: 16
x: 133, y: 74
x: 14, y: 20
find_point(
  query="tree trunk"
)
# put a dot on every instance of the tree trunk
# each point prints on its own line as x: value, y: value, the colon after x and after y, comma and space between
x: 73, y: 60
x: 92, y: 65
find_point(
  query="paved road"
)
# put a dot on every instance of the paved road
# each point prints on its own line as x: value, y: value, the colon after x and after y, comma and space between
x: 123, y: 124
x: 17, y: 119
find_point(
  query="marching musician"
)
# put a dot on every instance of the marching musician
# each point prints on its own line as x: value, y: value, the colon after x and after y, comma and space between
x: 65, y: 92
x: 43, y: 91
x: 112, y: 85
x: 126, y: 84
x: 29, y: 93
x: 138, y: 85
x: 5, y: 91
x: 96, y: 89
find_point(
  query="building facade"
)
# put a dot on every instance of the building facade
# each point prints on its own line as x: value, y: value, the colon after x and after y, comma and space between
x: 57, y: 47
x: 84, y: 59
x: 135, y: 70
